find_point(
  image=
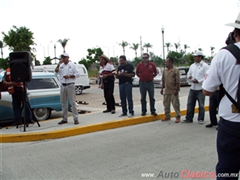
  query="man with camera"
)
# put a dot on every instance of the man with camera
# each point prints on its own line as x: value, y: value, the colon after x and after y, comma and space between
x: 16, y: 89
x: 225, y: 70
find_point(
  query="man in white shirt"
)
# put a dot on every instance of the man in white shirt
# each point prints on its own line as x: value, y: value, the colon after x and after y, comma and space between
x: 68, y: 72
x: 224, y: 70
x: 196, y: 74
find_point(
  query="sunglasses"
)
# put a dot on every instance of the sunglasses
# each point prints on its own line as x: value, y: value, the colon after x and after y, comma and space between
x: 144, y: 57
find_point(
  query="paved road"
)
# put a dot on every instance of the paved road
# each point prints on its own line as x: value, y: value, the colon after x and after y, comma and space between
x: 94, y: 98
x: 119, y: 154
x: 94, y: 95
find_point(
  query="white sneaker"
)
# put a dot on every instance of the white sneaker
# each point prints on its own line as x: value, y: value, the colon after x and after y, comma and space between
x: 130, y: 115
x: 200, y: 122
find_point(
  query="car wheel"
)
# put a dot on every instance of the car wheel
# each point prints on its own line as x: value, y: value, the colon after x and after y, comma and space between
x: 78, y: 90
x: 42, y: 113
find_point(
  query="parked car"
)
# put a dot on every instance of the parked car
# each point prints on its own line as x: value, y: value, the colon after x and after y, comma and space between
x: 81, y: 83
x: 183, y: 76
x: 43, y: 93
x: 158, y: 79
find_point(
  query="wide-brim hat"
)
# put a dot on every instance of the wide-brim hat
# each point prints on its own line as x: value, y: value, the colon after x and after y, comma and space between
x: 104, y: 57
x: 236, y: 24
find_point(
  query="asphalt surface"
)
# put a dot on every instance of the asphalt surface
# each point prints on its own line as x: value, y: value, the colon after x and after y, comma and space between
x: 92, y: 122
x: 151, y: 149
x: 117, y: 150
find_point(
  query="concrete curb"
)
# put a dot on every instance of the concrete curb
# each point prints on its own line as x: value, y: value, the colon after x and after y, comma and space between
x: 10, y: 138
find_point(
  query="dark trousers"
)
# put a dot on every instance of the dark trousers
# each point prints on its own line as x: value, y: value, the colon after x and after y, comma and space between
x: 17, y: 104
x: 213, y: 105
x: 144, y: 88
x: 228, y: 148
x: 126, y: 94
x: 108, y: 95
x: 18, y: 107
x: 193, y: 96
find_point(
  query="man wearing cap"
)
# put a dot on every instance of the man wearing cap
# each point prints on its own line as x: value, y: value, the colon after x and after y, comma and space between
x: 68, y: 72
x: 195, y: 76
x: 225, y: 70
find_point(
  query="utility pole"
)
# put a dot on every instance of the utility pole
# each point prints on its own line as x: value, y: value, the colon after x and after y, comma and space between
x: 141, y: 45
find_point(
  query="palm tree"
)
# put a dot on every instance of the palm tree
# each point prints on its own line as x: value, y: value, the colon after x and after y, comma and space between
x: 176, y: 46
x: 185, y: 47
x: 147, y: 45
x: 1, y: 47
x: 151, y: 55
x: 63, y: 43
x: 135, y: 48
x: 168, y: 45
x: 212, y: 48
x: 123, y: 44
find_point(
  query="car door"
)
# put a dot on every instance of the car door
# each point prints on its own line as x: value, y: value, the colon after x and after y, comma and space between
x: 44, y: 92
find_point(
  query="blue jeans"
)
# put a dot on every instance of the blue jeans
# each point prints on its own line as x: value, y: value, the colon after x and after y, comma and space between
x: 228, y: 148
x: 193, y: 96
x: 126, y: 93
x: 144, y: 88
x: 213, y: 105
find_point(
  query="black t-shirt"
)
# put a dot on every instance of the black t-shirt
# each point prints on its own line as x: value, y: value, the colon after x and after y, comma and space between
x: 127, y: 69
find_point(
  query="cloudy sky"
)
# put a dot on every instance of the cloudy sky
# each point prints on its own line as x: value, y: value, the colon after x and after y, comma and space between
x: 106, y: 23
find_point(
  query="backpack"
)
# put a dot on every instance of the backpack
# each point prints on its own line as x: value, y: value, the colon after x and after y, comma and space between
x: 236, y: 53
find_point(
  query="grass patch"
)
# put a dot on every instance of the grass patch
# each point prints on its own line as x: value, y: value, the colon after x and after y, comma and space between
x: 92, y: 73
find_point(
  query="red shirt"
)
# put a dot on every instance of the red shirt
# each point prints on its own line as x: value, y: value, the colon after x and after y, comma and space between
x: 146, y: 72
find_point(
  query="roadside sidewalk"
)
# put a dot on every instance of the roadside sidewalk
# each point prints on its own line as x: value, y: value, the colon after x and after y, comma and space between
x: 92, y: 122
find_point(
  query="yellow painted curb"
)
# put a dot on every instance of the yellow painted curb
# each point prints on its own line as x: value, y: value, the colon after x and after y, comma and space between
x: 6, y: 138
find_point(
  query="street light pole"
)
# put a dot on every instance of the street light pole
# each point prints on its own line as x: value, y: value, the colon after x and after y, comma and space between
x: 114, y: 49
x: 108, y: 49
x: 43, y: 51
x: 55, y: 57
x: 141, y: 45
x: 48, y: 47
x: 163, y: 47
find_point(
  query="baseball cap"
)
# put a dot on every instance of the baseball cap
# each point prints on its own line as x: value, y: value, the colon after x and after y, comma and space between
x: 198, y: 53
x: 65, y: 54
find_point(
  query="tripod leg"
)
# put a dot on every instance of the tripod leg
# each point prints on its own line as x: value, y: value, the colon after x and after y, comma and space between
x: 21, y: 112
x: 32, y: 116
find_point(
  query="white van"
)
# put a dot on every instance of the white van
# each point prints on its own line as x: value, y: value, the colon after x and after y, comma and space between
x: 81, y: 83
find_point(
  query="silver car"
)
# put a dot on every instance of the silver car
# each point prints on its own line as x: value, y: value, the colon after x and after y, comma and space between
x: 158, y: 79
x: 183, y: 76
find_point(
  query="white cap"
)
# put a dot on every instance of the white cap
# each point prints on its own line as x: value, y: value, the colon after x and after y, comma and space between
x: 65, y: 54
x: 198, y: 53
